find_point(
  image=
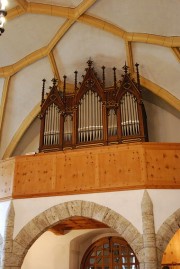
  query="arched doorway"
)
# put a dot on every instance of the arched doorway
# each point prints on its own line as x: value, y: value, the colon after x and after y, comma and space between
x: 59, y: 213
x: 110, y: 253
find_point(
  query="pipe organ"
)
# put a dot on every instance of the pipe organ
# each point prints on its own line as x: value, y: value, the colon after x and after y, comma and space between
x: 93, y: 113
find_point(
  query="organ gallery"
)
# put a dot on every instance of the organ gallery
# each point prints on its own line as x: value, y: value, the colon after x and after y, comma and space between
x: 94, y: 114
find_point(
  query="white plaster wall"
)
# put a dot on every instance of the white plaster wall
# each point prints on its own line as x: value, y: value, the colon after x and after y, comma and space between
x: 165, y: 203
x: 126, y: 203
x: 23, y: 95
x: 163, y: 126
x: 50, y: 251
x: 63, y: 251
x: 4, y: 207
x: 154, y: 66
x: 30, y: 140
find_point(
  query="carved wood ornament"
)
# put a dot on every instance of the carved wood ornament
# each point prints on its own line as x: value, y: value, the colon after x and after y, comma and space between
x: 93, y: 114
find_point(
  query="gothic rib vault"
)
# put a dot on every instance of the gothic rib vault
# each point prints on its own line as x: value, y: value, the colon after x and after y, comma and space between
x: 54, y: 38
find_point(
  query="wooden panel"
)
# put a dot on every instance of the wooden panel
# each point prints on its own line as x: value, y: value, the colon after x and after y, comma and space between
x: 6, y: 177
x: 76, y: 223
x: 79, y: 171
x: 96, y: 169
x: 172, y: 253
x: 163, y: 165
x: 120, y: 168
x: 35, y: 174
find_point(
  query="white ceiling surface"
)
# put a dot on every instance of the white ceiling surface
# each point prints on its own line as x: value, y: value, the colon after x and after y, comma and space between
x: 27, y: 94
x: 159, y: 17
x: 73, y: 51
x: 26, y: 34
x: 159, y: 65
x: 29, y: 32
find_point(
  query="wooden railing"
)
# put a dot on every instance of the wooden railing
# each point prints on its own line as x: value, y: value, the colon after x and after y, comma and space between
x: 96, y: 169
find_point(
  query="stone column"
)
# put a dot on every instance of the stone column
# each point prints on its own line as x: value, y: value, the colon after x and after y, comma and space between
x: 8, y: 238
x: 149, y: 238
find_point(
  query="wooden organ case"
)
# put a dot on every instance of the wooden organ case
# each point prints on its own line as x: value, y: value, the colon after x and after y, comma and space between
x: 93, y: 114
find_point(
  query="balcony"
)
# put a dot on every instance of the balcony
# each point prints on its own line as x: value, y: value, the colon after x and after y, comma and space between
x: 96, y: 169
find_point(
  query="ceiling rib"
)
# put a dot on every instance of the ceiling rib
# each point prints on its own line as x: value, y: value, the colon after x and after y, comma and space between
x: 15, y: 12
x: 54, y: 66
x: 3, y: 103
x: 77, y: 15
x: 72, y: 13
x: 176, y: 51
x: 23, y: 4
x: 129, y: 56
x: 37, y: 8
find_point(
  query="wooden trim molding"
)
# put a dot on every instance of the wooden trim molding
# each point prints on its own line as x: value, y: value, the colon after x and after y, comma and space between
x: 3, y: 103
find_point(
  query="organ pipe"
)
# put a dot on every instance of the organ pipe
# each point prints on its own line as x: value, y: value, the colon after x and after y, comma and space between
x: 94, y: 113
x: 52, y: 125
x: 90, y: 117
x: 129, y: 115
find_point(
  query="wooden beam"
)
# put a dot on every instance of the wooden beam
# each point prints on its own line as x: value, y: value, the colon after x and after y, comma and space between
x: 3, y: 103
x: 23, y: 4
x: 176, y: 52
x: 27, y: 60
x: 54, y: 67
x: 129, y: 56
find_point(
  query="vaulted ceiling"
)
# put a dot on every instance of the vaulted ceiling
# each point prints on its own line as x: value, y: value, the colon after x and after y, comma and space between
x: 47, y: 38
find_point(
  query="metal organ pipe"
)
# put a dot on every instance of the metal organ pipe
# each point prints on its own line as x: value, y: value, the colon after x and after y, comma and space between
x: 52, y: 125
x: 90, y: 117
x: 129, y: 115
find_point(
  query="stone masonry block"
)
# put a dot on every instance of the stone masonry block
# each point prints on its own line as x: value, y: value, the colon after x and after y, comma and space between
x: 99, y: 212
x: 173, y: 223
x: 32, y: 229
x: 110, y: 218
x: 121, y: 224
x: 24, y: 239
x: 87, y: 209
x: 74, y: 208
x: 41, y: 222
x: 130, y: 234
x: 62, y: 211
x: 18, y: 249
x: 52, y: 215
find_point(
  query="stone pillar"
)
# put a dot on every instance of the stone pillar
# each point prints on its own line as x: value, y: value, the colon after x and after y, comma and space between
x: 8, y: 238
x: 149, y: 238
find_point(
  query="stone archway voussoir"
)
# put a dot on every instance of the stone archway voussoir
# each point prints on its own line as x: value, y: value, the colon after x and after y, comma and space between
x: 87, y: 209
x: 99, y: 212
x: 74, y: 208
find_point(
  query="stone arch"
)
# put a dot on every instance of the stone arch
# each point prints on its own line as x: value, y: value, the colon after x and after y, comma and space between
x: 55, y: 214
x: 1, y: 246
x: 166, y: 232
